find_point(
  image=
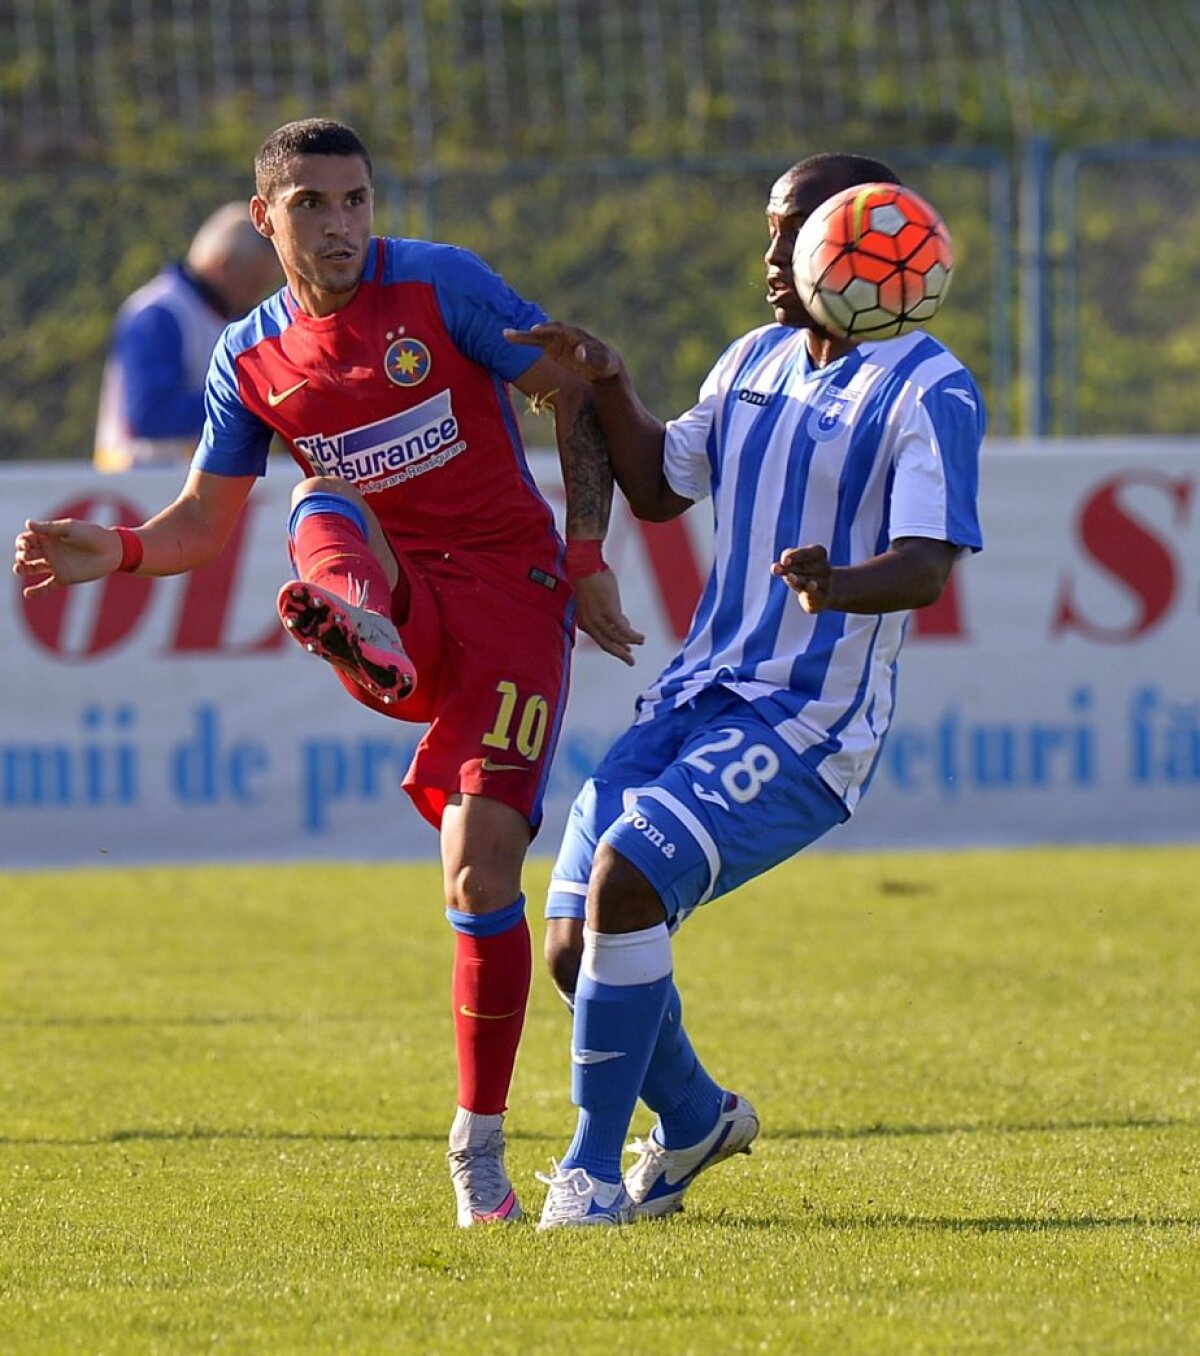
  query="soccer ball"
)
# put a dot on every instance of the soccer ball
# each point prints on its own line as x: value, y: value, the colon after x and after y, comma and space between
x: 872, y: 262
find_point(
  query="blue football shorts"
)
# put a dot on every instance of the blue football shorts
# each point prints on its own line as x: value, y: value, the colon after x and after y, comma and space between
x: 700, y: 800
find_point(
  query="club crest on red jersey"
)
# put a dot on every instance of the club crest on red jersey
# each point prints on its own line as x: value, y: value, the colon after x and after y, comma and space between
x: 407, y: 362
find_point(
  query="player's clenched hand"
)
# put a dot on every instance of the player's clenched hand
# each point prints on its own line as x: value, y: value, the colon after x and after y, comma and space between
x: 572, y: 347
x: 598, y: 614
x: 65, y: 551
x: 807, y: 571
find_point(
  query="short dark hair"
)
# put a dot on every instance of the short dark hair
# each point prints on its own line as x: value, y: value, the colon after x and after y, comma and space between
x: 308, y: 136
x: 842, y: 169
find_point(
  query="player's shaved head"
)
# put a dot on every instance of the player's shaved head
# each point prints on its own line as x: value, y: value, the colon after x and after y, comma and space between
x: 308, y: 136
x: 809, y: 182
x: 842, y: 169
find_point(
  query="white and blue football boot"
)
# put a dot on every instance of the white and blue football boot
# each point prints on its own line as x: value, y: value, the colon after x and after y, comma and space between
x: 657, y: 1181
x: 577, y: 1198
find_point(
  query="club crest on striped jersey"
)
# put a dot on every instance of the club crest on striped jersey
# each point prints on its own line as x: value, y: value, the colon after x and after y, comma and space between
x: 831, y: 412
x: 407, y: 362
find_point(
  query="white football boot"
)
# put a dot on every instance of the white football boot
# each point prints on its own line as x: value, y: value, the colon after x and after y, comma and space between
x: 576, y: 1198
x: 482, y: 1190
x: 657, y: 1181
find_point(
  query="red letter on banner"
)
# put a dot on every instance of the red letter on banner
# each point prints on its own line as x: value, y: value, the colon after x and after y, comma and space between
x: 1129, y: 552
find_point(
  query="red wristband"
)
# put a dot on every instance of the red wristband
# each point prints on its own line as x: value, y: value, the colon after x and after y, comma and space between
x: 131, y: 549
x: 584, y: 557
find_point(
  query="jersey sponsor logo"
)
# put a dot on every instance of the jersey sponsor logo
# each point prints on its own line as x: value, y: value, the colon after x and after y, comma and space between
x: 595, y: 1056
x: 754, y: 397
x: 407, y: 362
x: 275, y: 397
x: 831, y: 413
x: 965, y: 396
x: 390, y: 451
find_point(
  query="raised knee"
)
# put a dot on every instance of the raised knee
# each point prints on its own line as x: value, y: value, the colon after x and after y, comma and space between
x: 324, y: 485
x: 620, y: 898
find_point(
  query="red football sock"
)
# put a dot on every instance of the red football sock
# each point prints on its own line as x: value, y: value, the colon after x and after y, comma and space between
x: 491, y: 992
x: 329, y: 549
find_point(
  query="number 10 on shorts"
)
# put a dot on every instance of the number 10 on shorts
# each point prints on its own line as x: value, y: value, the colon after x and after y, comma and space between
x: 531, y: 724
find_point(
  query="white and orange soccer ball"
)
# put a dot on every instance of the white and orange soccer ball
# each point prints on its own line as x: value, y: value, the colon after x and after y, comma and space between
x: 873, y: 262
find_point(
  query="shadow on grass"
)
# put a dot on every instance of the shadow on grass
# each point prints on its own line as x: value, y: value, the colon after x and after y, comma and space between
x: 815, y: 1221
x: 201, y: 1134
x: 881, y: 1130
x: 194, y: 1019
x: 985, y: 1224
x: 204, y: 1133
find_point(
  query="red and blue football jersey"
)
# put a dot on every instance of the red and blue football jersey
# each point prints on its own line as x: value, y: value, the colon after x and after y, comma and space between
x: 403, y: 393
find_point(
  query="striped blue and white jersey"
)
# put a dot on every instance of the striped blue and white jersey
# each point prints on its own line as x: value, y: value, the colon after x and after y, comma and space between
x: 883, y: 443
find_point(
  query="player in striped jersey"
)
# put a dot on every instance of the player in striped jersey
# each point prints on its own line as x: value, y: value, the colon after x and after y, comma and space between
x: 762, y: 733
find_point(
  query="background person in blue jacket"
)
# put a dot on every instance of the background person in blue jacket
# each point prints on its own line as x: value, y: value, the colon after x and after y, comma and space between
x: 152, y: 393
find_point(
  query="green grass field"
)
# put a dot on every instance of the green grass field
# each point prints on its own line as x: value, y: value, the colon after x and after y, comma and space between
x: 225, y: 1094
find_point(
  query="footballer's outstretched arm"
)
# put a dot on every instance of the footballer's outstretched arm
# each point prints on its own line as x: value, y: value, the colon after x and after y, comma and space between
x: 588, y: 481
x: 188, y: 533
x: 634, y: 436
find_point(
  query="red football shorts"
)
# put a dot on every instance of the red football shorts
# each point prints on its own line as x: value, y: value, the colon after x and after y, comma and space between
x: 492, y: 651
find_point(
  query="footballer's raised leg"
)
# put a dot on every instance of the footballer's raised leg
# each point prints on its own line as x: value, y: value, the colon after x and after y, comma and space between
x: 340, y: 606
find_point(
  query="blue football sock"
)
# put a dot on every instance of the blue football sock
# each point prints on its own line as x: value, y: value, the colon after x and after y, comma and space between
x: 623, y: 987
x: 677, y: 1086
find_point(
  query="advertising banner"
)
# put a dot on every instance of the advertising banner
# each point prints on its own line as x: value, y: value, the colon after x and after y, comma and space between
x: 1052, y: 695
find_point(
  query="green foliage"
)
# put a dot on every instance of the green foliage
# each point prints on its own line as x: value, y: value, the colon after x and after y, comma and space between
x: 85, y: 241
x: 1137, y: 329
x: 227, y: 1102
x: 619, y: 189
x: 666, y: 266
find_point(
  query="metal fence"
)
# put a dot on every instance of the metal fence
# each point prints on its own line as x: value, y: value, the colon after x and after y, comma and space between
x: 1124, y: 290
x: 613, y: 161
x: 436, y: 81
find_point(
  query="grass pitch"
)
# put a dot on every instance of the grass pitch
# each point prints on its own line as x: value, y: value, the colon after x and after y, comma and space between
x: 225, y: 1094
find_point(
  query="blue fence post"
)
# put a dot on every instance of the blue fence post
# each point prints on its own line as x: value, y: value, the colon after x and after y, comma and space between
x: 1066, y: 192
x: 1035, y: 285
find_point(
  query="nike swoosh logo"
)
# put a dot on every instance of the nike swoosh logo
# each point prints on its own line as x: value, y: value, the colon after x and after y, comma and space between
x: 962, y: 395
x: 487, y: 1016
x: 489, y: 766
x: 595, y: 1056
x: 686, y: 1173
x: 278, y: 397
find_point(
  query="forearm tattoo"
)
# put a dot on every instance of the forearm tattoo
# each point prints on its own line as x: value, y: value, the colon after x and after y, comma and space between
x: 587, y: 474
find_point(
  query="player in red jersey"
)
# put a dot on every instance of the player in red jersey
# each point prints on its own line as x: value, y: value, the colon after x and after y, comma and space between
x: 428, y: 569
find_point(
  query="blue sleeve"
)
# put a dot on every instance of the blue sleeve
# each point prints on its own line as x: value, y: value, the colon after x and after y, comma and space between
x: 477, y: 304
x: 956, y: 410
x: 234, y: 442
x: 159, y: 401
